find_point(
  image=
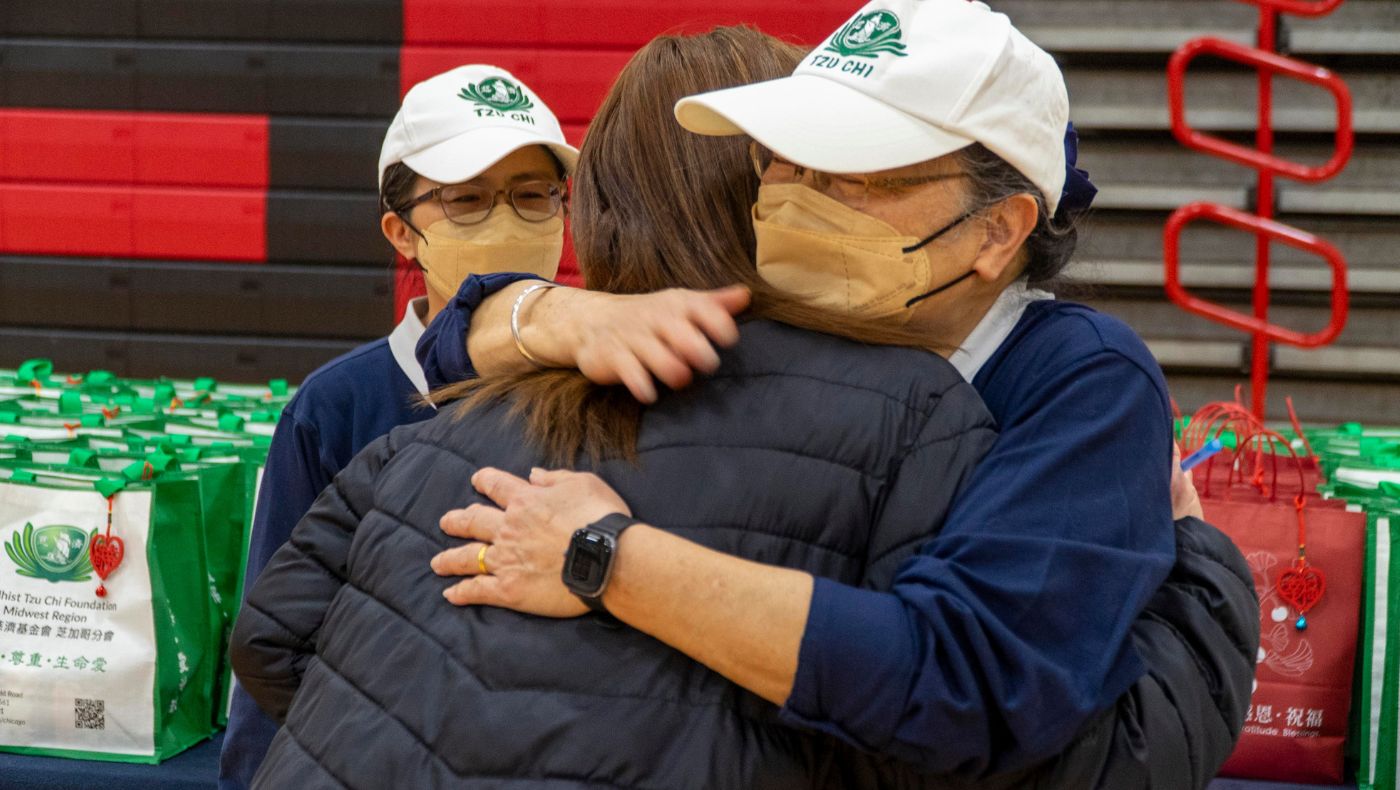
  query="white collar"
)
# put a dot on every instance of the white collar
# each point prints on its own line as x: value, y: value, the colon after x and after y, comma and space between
x: 404, y: 339
x: 994, y: 327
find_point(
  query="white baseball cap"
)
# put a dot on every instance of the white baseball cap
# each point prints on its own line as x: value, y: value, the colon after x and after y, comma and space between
x: 454, y: 126
x: 906, y: 81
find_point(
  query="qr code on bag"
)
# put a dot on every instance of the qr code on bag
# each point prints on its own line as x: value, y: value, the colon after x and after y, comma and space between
x: 89, y: 714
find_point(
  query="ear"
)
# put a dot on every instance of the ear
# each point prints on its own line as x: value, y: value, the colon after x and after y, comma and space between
x: 399, y: 234
x: 1007, y: 226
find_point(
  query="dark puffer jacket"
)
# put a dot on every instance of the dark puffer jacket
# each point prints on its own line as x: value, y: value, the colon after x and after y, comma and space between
x: 1176, y: 726
x: 403, y: 690
x: 802, y: 451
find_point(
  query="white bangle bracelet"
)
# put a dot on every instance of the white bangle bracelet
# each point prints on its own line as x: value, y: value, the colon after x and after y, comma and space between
x: 515, y: 322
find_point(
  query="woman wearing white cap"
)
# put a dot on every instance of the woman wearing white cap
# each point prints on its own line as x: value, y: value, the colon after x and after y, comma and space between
x: 914, y: 166
x: 471, y: 179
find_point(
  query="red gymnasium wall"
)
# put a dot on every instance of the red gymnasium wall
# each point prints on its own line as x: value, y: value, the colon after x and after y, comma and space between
x: 188, y: 186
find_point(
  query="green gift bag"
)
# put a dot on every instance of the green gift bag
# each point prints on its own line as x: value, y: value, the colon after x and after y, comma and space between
x: 1376, y: 708
x: 1378, y: 732
x: 31, y: 376
x: 224, y: 488
x: 46, y: 425
x: 102, y: 659
x: 225, y: 484
x: 58, y: 425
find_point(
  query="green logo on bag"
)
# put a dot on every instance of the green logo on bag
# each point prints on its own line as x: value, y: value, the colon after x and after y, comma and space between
x: 498, y: 93
x: 869, y: 36
x: 56, y: 553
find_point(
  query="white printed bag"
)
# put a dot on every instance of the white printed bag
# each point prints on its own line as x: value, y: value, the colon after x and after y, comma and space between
x: 106, y: 640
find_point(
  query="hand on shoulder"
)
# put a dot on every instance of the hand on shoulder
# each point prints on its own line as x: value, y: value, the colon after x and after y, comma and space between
x: 636, y: 340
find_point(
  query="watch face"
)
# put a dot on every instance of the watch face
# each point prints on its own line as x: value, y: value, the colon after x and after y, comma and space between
x: 587, y: 563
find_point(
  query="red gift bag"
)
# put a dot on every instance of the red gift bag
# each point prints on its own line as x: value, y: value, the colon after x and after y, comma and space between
x: 1307, y: 560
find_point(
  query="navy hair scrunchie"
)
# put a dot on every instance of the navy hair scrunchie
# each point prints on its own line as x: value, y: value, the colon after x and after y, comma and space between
x: 1079, y: 191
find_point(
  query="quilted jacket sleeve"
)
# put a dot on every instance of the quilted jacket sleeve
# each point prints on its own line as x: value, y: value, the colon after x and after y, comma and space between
x: 1198, y: 638
x: 275, y: 635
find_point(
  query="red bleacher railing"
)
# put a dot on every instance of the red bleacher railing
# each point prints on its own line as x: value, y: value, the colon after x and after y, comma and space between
x: 1263, y: 228
x: 1267, y: 63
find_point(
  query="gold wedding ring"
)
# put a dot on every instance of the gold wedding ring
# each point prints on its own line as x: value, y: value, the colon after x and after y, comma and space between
x: 481, y: 559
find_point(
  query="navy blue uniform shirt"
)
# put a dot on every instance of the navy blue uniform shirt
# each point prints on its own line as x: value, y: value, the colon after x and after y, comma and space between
x: 343, y: 406
x: 1010, y: 628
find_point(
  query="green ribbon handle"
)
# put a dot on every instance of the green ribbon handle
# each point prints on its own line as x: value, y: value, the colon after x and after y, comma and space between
x: 70, y: 403
x: 35, y: 370
x: 162, y: 461
x: 108, y: 487
x: 83, y: 459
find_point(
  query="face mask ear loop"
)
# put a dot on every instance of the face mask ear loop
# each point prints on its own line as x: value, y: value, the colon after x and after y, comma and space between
x: 940, y: 289
x: 940, y: 233
x: 937, y: 234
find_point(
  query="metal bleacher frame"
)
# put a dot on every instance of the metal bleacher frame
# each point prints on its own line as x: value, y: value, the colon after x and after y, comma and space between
x: 1115, y: 54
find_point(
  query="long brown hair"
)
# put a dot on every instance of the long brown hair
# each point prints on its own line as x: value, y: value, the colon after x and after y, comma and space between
x: 657, y: 207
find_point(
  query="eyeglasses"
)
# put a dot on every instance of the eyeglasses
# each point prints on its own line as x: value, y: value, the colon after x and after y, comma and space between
x: 849, y: 189
x: 468, y: 204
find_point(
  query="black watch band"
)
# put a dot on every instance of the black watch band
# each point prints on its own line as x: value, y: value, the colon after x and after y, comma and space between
x: 589, y: 561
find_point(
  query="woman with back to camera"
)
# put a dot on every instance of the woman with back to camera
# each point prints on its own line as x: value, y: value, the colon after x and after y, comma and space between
x: 379, y: 682
x: 1039, y: 605
x: 463, y: 189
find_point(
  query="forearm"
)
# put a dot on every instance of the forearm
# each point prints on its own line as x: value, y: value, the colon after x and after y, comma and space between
x: 742, y: 619
x: 490, y: 344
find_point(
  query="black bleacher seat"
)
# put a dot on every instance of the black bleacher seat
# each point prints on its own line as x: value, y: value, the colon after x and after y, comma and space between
x: 331, y: 80
x: 358, y: 21
x: 145, y: 355
x: 191, y: 296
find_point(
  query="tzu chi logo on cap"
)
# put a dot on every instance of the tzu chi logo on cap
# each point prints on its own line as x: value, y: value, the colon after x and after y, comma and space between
x: 498, y: 96
x: 868, y: 36
x: 861, y: 40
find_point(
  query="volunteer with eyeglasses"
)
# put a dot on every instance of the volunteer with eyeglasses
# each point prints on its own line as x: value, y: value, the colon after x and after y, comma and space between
x: 471, y: 181
x: 914, y: 166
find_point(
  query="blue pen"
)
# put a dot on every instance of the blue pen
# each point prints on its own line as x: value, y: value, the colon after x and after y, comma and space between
x: 1202, y: 455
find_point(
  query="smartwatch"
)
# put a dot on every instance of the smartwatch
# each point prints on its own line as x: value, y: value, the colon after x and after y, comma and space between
x: 588, y: 563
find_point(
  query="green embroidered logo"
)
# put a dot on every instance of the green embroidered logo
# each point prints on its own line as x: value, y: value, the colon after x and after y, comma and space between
x: 869, y: 36
x: 56, y: 553
x: 498, y: 93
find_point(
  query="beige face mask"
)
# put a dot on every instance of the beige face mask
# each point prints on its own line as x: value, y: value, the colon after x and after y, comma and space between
x: 503, y: 242
x: 831, y: 255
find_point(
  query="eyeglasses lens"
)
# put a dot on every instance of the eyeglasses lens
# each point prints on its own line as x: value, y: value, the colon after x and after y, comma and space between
x: 536, y: 201
x: 533, y: 201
